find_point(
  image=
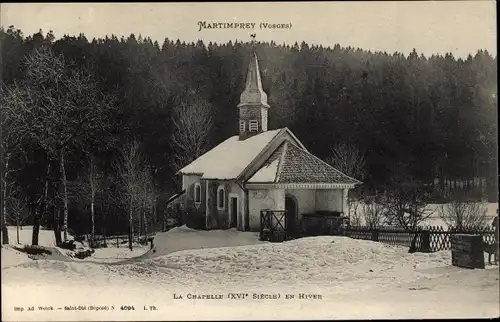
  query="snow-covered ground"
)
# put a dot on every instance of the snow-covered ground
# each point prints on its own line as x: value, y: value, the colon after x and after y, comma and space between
x: 45, y: 237
x: 113, y: 254
x: 47, y: 240
x: 354, y: 278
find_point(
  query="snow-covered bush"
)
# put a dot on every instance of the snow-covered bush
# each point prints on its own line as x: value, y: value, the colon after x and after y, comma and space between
x: 79, y: 250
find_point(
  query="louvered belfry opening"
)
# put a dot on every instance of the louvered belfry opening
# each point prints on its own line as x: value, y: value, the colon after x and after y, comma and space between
x: 253, y: 106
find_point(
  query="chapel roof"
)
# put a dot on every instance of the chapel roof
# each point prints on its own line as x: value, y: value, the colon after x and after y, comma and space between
x: 231, y: 157
x: 292, y: 164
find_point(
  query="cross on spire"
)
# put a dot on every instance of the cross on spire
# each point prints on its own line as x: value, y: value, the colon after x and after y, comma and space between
x: 253, y: 41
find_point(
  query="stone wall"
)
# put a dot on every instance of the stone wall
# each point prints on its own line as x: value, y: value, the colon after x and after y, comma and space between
x: 194, y: 215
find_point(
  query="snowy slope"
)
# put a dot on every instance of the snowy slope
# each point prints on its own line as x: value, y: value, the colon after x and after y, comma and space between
x: 355, y: 278
x: 12, y: 257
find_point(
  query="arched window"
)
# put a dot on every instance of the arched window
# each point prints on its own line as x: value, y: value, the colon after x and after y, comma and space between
x: 197, y: 193
x: 221, y: 198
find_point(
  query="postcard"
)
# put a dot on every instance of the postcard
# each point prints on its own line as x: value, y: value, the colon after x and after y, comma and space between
x: 249, y: 161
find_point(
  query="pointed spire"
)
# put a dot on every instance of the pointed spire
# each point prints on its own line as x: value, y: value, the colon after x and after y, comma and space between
x: 253, y: 94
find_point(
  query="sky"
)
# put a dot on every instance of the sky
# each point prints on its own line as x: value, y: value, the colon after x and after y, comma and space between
x: 431, y: 27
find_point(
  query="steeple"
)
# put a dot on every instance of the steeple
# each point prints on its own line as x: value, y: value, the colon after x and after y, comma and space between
x: 253, y: 101
x: 253, y: 94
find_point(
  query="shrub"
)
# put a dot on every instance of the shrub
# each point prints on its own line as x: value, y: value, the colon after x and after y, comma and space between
x: 463, y: 213
x: 405, y: 203
x: 70, y: 245
x: 33, y: 250
x: 374, y: 212
x: 83, y: 254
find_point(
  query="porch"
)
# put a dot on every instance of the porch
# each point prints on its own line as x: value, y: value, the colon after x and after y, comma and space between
x: 296, y: 211
x: 276, y: 226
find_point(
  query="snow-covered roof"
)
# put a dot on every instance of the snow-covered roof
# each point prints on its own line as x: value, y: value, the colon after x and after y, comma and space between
x: 266, y: 173
x: 292, y: 164
x: 230, y: 158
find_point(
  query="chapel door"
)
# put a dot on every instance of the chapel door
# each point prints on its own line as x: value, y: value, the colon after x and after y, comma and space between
x: 234, y: 212
x: 291, y: 215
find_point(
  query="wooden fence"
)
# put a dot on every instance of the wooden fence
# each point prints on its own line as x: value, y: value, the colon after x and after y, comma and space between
x: 273, y: 225
x: 439, y: 238
x: 426, y: 239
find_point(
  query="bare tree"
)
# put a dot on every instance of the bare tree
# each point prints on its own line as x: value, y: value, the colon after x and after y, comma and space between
x: 16, y: 211
x: 91, y: 186
x: 461, y: 213
x: 354, y: 200
x: 16, y: 104
x: 148, y: 196
x: 355, y: 218
x: 129, y: 171
x: 192, y: 124
x: 54, y: 200
x: 110, y: 197
x: 405, y: 204
x: 64, y: 109
x: 14, y: 131
x: 40, y: 206
x: 347, y: 158
x: 374, y: 211
x: 143, y: 191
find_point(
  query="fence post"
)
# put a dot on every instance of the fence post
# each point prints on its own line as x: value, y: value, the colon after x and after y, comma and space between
x: 261, y: 225
x: 425, y: 241
x: 375, y: 235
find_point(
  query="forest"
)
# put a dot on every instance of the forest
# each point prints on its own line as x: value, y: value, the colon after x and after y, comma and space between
x: 94, y: 131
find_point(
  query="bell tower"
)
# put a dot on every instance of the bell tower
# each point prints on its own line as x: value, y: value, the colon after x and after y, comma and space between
x: 253, y: 106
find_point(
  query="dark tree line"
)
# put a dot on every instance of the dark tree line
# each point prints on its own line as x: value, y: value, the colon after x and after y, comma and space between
x: 429, y: 117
